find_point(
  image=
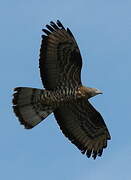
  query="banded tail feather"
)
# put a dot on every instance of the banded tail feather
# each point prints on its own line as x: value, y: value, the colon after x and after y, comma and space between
x: 28, y: 106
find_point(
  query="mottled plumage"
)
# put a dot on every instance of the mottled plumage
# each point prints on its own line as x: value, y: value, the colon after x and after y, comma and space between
x: 60, y: 69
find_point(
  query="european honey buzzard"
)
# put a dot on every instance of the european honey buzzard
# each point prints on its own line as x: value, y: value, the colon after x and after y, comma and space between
x: 64, y: 95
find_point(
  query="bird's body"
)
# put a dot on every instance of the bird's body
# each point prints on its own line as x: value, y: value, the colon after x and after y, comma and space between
x: 64, y: 95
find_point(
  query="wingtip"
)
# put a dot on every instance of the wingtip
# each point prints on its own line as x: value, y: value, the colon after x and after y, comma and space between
x: 88, y: 153
x: 46, y: 31
x: 100, y: 152
x: 50, y: 28
x: 94, y: 155
x: 60, y: 24
x: 16, y: 88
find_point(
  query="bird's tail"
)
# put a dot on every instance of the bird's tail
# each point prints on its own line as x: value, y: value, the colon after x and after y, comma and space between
x: 28, y: 107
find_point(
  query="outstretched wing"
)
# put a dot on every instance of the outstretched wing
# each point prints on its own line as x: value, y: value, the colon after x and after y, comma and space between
x: 60, y: 60
x: 84, y: 127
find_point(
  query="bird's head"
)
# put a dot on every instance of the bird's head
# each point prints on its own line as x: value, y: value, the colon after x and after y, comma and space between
x: 88, y: 92
x: 94, y: 91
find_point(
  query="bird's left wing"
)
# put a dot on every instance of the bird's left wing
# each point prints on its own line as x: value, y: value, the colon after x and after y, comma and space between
x: 84, y: 127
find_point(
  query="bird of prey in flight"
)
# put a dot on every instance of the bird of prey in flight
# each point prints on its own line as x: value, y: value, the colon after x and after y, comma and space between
x: 64, y: 95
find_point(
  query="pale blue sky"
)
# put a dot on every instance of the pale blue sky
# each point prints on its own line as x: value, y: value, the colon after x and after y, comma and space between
x: 103, y: 32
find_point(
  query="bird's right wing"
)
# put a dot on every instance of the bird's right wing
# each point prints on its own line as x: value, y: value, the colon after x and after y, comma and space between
x: 84, y: 127
x: 60, y: 59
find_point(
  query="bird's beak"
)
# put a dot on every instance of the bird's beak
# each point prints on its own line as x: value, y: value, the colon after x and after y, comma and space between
x: 99, y: 91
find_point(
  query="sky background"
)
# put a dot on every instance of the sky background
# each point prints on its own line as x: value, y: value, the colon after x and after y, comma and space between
x: 103, y: 32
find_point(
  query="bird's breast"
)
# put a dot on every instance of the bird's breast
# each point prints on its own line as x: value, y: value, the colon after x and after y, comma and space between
x: 61, y: 96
